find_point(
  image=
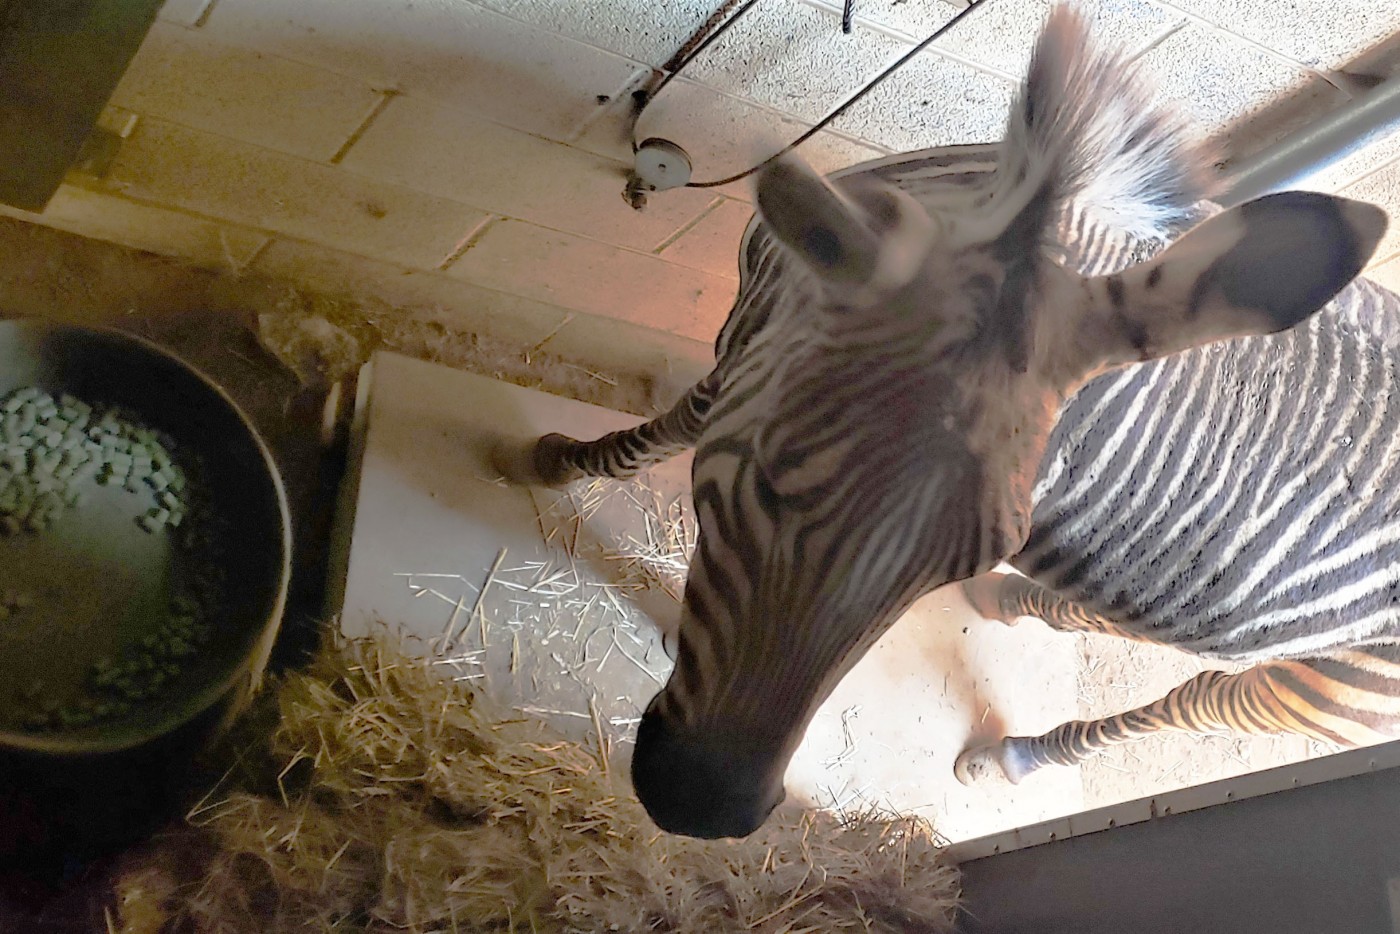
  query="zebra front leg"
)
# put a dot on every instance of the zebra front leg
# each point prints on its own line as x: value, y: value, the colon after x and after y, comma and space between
x: 554, y: 459
x: 1350, y: 699
x: 1008, y: 597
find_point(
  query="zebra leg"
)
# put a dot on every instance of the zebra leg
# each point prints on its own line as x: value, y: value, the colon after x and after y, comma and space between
x: 1349, y: 698
x: 554, y: 459
x: 1007, y: 597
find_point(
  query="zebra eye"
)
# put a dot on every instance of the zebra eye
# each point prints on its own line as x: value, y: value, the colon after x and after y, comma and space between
x: 823, y: 247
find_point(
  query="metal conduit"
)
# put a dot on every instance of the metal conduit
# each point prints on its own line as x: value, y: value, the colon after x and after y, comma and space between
x: 1362, y: 122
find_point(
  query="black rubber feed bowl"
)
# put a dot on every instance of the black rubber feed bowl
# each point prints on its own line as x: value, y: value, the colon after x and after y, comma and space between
x: 97, y: 581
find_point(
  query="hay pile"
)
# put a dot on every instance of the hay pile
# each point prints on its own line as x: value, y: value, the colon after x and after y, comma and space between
x: 389, y: 800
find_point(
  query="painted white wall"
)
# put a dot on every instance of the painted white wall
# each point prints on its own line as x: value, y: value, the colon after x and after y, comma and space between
x: 454, y: 154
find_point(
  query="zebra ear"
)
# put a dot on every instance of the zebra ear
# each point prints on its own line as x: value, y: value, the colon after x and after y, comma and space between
x: 1255, y: 269
x: 821, y: 228
x: 869, y: 235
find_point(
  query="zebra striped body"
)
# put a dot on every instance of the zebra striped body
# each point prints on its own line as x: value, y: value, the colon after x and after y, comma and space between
x: 1261, y: 481
x: 1241, y: 502
x: 888, y: 381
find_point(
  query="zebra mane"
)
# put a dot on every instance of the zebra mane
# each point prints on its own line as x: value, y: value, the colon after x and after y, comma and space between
x: 1085, y: 129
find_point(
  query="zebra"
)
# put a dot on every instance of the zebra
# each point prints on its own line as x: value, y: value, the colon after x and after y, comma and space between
x: 886, y: 384
x: 1262, y: 529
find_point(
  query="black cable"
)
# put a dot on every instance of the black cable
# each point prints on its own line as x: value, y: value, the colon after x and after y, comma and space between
x: 938, y: 33
x: 680, y: 66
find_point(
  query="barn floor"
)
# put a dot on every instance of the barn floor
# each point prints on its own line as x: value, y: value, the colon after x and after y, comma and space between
x: 890, y: 732
x: 553, y: 602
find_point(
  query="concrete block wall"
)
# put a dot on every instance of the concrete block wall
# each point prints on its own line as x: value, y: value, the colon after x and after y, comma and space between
x: 468, y: 157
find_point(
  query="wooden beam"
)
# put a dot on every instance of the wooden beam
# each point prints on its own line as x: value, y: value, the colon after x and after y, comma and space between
x: 60, y: 60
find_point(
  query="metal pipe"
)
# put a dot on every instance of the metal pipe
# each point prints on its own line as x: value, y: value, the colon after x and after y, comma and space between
x: 1362, y: 122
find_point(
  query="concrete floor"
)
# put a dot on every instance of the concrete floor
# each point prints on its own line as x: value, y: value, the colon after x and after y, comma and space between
x: 554, y: 602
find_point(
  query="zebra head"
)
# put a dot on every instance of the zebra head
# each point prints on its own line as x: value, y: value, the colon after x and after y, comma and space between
x: 878, y: 435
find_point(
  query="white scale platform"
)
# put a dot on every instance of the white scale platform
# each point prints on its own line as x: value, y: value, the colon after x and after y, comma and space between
x: 567, y: 626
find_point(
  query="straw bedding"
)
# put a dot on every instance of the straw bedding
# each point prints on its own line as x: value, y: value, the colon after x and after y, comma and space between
x: 371, y: 794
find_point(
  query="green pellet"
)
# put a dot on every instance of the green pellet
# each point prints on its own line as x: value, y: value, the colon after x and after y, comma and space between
x: 71, y: 717
x: 50, y: 450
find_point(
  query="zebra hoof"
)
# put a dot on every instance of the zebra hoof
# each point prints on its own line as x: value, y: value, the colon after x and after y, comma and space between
x: 514, y: 459
x: 549, y: 462
x: 533, y: 462
x: 988, y: 765
x: 983, y: 594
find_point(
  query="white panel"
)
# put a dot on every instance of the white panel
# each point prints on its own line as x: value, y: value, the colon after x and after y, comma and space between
x: 426, y: 504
